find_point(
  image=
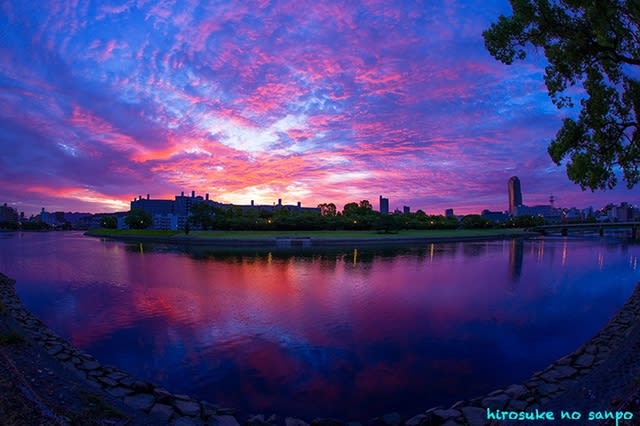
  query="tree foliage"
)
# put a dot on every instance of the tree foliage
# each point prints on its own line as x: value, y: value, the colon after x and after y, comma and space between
x: 595, y: 44
x: 138, y: 219
x: 327, y: 209
x: 109, y: 222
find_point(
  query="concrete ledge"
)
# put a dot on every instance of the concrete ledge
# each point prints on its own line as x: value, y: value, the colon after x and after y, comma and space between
x: 303, y: 241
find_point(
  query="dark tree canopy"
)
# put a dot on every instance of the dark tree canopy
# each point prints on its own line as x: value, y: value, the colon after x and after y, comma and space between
x: 327, y: 209
x: 109, y: 222
x: 138, y: 219
x: 595, y: 44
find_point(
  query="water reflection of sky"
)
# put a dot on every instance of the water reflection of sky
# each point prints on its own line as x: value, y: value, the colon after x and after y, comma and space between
x: 348, y: 333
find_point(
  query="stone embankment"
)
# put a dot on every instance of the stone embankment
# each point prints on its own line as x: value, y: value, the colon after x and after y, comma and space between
x: 183, y: 410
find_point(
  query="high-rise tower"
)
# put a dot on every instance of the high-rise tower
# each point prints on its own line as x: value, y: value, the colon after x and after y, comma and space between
x: 515, y: 194
x: 384, y: 205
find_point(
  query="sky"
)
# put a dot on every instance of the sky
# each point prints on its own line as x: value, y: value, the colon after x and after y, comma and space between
x: 310, y: 101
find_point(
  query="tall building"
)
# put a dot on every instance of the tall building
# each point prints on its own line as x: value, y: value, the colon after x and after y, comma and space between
x: 515, y: 194
x: 8, y: 214
x: 384, y: 205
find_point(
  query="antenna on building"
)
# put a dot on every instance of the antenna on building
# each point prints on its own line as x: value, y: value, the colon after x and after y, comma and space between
x: 552, y: 199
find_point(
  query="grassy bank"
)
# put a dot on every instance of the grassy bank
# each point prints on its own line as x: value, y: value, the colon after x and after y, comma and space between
x: 269, y: 235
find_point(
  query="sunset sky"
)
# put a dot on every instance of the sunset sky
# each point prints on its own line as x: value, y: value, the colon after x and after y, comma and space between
x: 307, y: 101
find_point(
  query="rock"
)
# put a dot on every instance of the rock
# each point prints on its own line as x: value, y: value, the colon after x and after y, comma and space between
x: 445, y: 414
x: 54, y: 350
x: 326, y: 422
x: 63, y: 356
x: 497, y: 402
x: 225, y: 411
x: 162, y: 411
x: 107, y: 381
x: 415, y: 420
x: 208, y: 409
x: 559, y: 372
x: 291, y: 421
x: 140, y: 386
x: 223, y: 421
x: 90, y: 365
x: 120, y: 391
x: 564, y: 360
x: 517, y: 405
x: 141, y: 401
x: 126, y: 381
x: 566, y: 371
x: 186, y: 421
x: 585, y: 360
x: 257, y: 420
x: 187, y: 408
x: 163, y: 396
x: 516, y: 391
x: 548, y: 389
x: 474, y: 415
x: 391, y: 419
x: 117, y: 375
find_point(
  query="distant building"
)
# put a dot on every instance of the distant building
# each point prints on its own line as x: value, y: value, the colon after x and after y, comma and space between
x: 548, y: 212
x: 572, y: 214
x: 153, y: 206
x: 8, y: 214
x: 406, y: 209
x: 168, y: 222
x: 384, y: 205
x: 622, y: 213
x: 515, y: 194
x: 75, y: 219
x: 174, y: 214
x: 449, y: 213
x: 587, y: 213
x: 497, y: 217
x: 45, y: 217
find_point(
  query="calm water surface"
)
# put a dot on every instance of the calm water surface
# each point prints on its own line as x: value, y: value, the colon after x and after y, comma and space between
x: 352, y: 333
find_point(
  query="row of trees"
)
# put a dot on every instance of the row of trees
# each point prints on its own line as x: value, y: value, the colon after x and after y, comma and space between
x: 354, y: 216
x: 26, y: 226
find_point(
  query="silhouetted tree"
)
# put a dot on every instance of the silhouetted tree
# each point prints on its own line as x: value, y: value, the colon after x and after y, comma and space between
x: 109, y: 222
x: 327, y: 209
x: 138, y: 219
x: 595, y: 44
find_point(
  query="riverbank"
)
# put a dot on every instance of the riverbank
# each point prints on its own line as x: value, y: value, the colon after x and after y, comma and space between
x: 49, y: 381
x: 309, y: 238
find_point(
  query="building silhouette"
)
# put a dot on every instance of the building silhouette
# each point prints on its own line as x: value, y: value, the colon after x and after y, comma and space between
x: 515, y: 194
x: 384, y: 205
x: 174, y: 214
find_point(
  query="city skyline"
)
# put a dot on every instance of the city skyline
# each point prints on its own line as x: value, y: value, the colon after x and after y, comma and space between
x: 312, y: 103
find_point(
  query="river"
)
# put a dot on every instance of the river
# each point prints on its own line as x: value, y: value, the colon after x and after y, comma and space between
x: 350, y: 333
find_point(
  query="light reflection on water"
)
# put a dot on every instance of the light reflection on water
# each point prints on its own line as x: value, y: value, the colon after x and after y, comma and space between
x: 355, y: 332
